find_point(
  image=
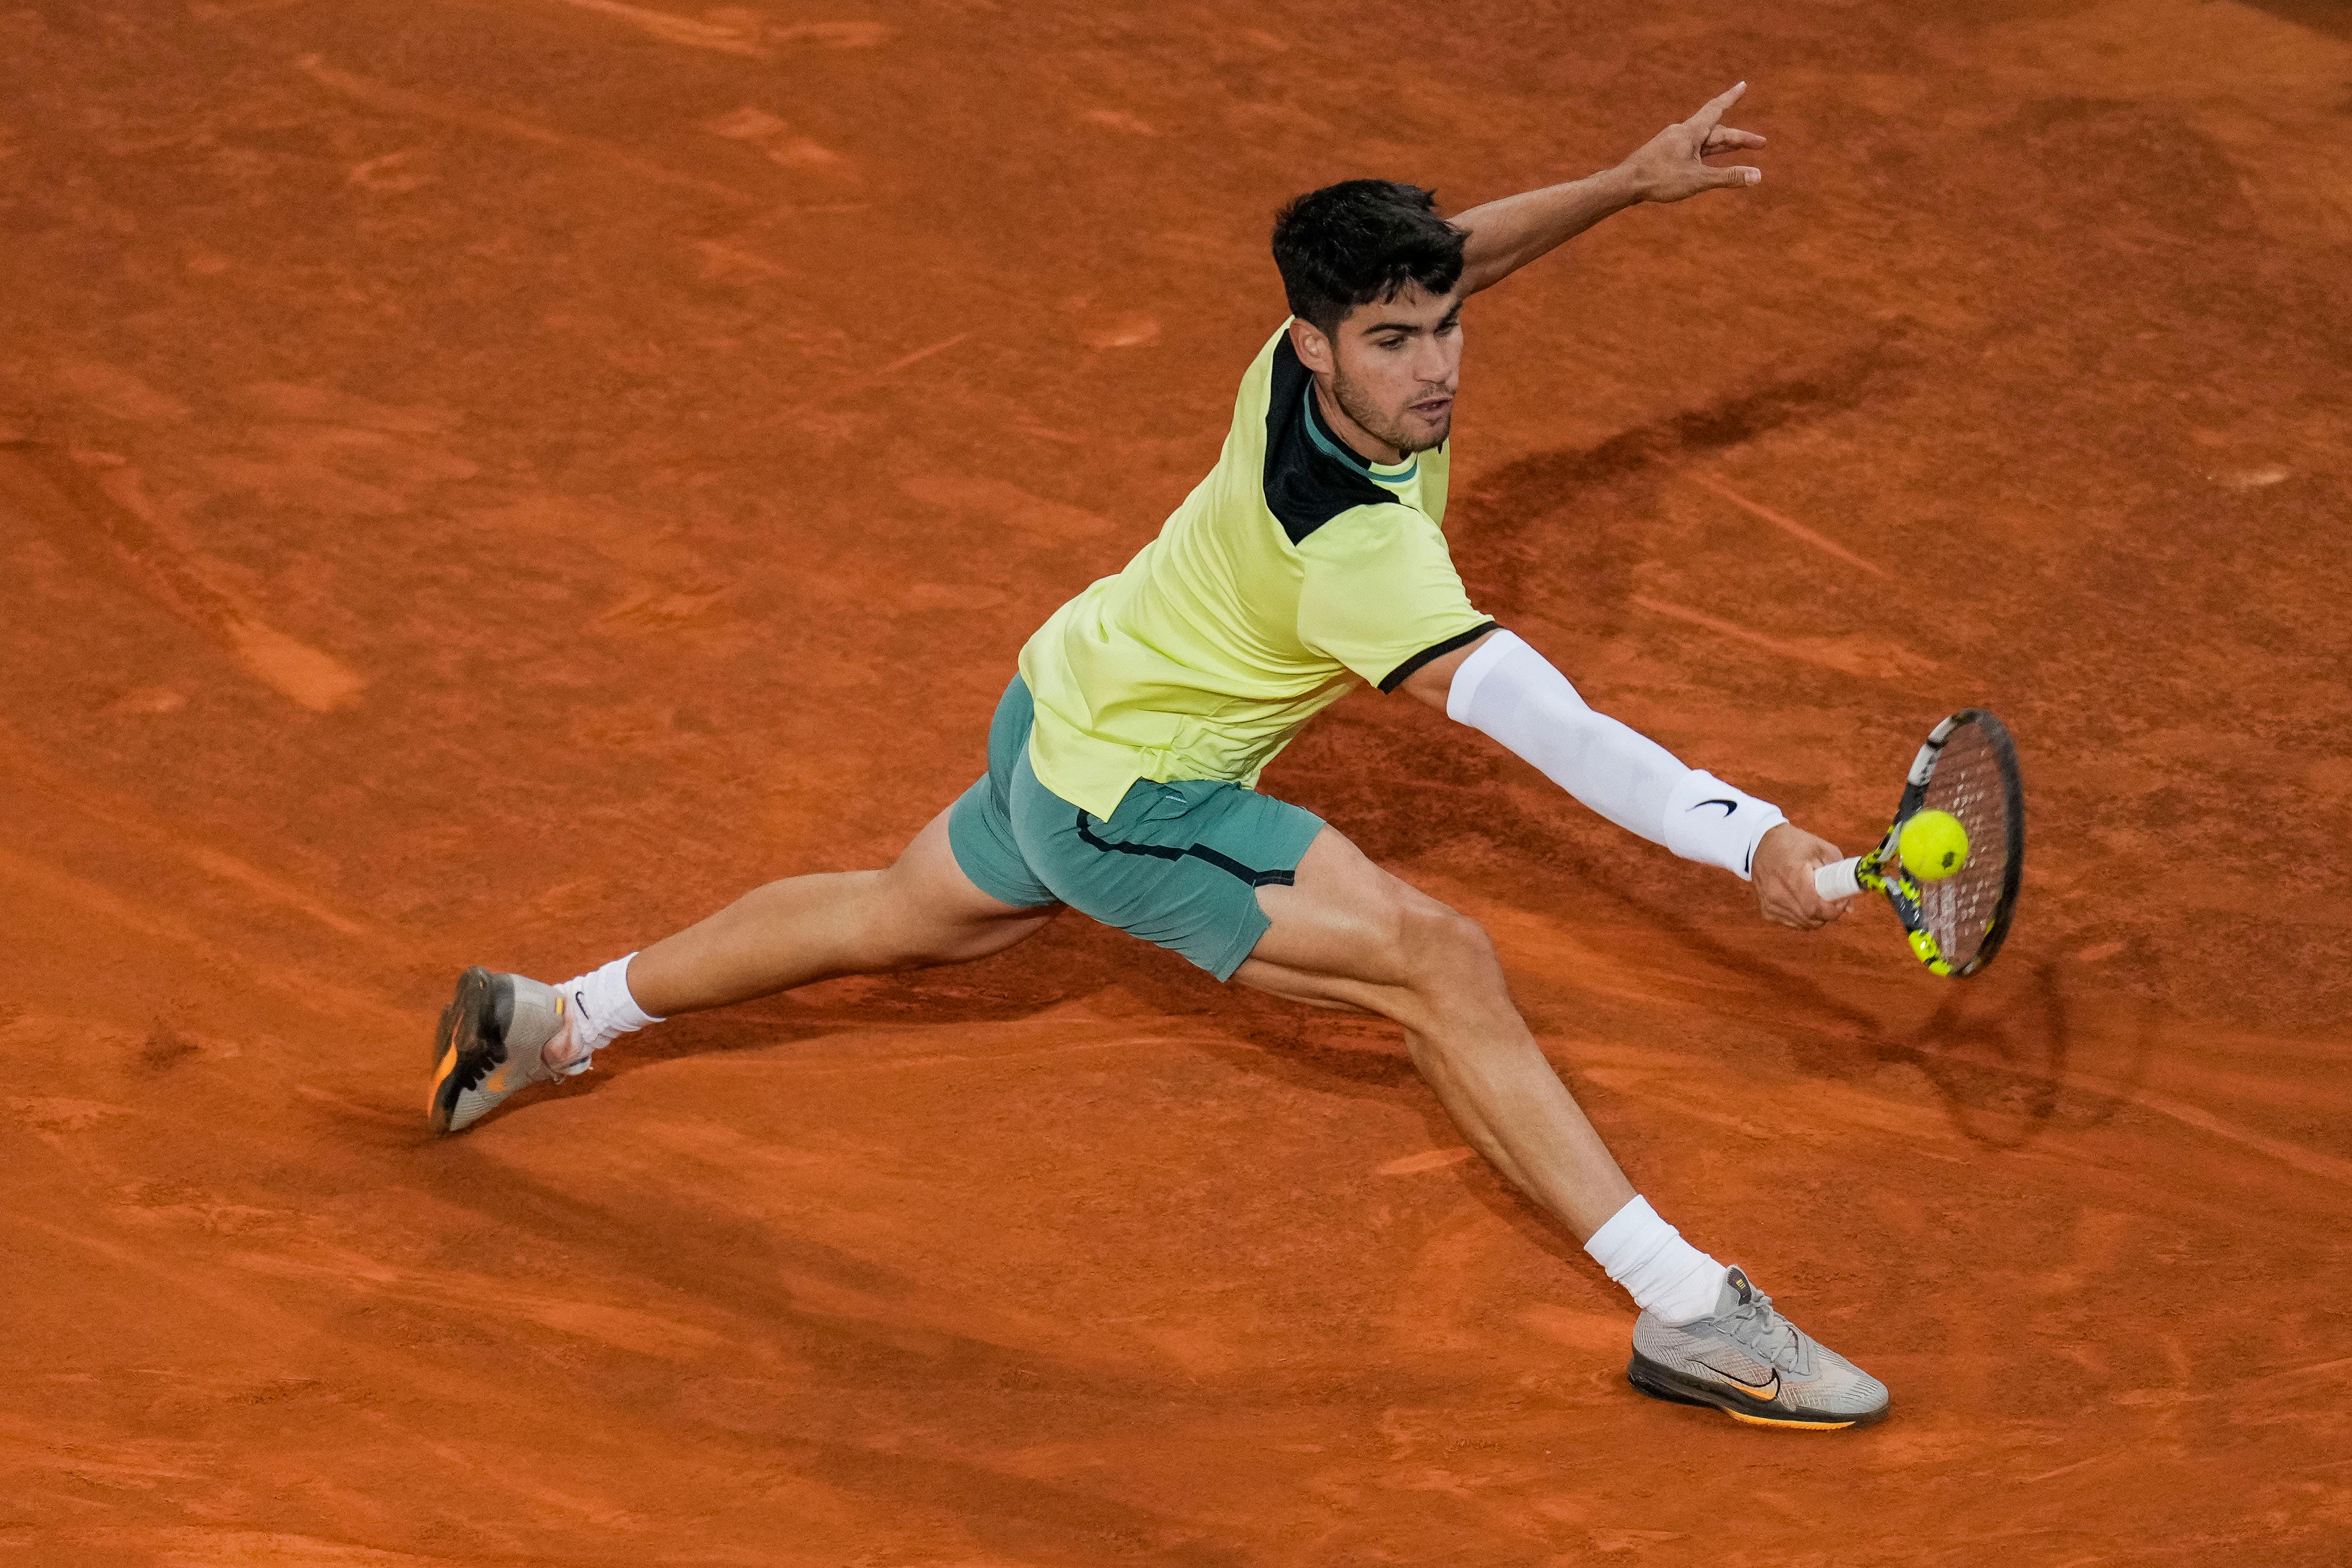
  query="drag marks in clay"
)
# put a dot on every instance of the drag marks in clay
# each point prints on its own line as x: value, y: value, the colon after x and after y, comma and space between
x: 738, y: 30
x: 404, y: 105
x: 96, y: 507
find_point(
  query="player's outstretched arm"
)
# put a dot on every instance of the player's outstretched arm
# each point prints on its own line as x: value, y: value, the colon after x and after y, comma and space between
x: 1507, y: 234
x: 1501, y: 687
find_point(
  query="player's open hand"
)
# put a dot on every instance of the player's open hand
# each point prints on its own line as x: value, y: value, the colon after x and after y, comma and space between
x: 1786, y: 858
x: 1671, y: 166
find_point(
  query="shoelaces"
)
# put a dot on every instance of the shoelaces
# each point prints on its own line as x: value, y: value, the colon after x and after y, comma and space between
x: 1765, y: 1334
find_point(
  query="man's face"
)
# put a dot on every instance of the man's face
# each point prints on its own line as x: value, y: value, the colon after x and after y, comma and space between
x: 1394, y: 365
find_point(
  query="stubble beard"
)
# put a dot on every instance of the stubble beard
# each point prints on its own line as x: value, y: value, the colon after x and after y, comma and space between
x: 1392, y: 429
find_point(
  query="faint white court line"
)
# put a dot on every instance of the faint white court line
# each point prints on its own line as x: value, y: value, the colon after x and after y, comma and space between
x: 410, y: 105
x: 1789, y: 526
x: 672, y: 29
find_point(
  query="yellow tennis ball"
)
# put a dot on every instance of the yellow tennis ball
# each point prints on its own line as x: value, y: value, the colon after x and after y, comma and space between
x: 1932, y: 845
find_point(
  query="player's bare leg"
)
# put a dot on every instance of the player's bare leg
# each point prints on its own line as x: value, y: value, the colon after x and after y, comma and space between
x: 505, y: 1032
x: 1348, y: 934
x: 921, y: 911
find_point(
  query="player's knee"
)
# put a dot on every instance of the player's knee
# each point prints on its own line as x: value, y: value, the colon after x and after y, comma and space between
x: 1444, y: 951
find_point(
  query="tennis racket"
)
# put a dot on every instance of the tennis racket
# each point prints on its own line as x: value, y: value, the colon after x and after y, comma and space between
x: 1956, y: 922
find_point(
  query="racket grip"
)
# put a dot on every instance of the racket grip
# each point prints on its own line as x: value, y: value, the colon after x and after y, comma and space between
x: 1838, y: 880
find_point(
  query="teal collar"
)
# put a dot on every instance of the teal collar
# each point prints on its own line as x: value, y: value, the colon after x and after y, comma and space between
x: 1331, y: 448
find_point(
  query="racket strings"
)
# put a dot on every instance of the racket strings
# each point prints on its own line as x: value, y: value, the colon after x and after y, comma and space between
x: 1960, y: 910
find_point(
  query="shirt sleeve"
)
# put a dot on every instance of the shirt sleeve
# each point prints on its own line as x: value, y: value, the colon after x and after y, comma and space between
x: 1379, y: 593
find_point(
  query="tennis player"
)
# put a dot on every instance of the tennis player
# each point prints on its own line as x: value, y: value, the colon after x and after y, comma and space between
x: 1123, y: 755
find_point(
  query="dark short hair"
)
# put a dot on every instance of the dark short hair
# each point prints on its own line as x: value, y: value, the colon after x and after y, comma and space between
x: 1361, y: 240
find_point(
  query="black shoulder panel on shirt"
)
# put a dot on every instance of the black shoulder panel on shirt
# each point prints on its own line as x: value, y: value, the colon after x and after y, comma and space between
x: 1306, y: 487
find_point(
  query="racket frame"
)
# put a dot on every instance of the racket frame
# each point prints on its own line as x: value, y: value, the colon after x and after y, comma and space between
x: 1902, y: 891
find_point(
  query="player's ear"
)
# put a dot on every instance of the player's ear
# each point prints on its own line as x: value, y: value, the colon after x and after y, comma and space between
x: 1313, y: 348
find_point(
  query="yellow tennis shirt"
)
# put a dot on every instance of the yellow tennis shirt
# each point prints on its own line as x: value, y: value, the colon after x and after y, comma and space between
x: 1293, y: 572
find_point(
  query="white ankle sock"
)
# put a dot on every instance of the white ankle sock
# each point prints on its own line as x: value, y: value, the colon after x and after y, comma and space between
x: 601, y: 1010
x: 1665, y: 1273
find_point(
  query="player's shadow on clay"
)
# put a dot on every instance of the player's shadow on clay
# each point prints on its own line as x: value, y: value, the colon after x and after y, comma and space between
x: 1999, y: 1056
x: 1538, y: 529
x: 1996, y: 1048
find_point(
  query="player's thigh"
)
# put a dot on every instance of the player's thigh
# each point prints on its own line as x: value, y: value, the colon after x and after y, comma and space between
x: 1348, y: 933
x: 929, y: 908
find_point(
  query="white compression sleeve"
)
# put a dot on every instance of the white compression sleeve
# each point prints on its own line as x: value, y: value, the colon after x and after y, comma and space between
x: 1508, y: 690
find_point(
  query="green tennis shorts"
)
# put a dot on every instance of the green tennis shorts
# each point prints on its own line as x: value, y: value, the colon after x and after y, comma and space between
x: 1179, y: 864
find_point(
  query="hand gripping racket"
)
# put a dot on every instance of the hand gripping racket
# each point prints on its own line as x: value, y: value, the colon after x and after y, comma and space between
x: 1955, y: 923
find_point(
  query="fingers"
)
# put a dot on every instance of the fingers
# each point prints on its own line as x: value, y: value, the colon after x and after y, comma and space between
x: 1705, y: 118
x: 1814, y: 917
x: 1830, y: 910
x: 1823, y: 909
x: 1796, y: 906
x: 1791, y: 899
x: 1724, y: 138
x: 1796, y: 919
x: 1693, y: 179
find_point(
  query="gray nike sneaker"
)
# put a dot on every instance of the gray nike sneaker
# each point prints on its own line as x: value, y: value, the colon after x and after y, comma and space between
x: 491, y: 1038
x: 1753, y: 1364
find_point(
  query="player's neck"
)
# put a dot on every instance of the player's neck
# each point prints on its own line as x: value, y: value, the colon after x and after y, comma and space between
x: 1361, y: 442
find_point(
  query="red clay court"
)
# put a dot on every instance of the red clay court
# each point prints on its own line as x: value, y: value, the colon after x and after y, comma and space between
x: 485, y: 481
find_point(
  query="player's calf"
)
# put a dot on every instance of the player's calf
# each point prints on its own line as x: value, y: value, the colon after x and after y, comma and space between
x: 921, y: 911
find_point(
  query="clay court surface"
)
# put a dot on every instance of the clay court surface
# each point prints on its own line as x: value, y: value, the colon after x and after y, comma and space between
x: 488, y: 480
